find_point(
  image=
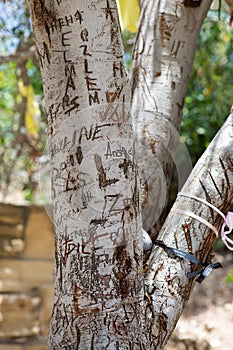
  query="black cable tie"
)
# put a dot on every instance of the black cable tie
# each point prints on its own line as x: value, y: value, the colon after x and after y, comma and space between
x: 194, y: 273
x: 203, y: 273
x: 186, y: 256
x: 179, y: 253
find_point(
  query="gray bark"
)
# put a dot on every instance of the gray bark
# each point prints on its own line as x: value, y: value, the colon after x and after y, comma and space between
x: 166, y: 284
x: 98, y: 276
x: 162, y: 62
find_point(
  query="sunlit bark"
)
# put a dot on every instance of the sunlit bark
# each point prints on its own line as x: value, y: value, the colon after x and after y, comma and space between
x: 166, y: 284
x: 162, y: 61
x: 98, y: 287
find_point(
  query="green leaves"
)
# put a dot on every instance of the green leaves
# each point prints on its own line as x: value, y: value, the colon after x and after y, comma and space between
x: 210, y: 91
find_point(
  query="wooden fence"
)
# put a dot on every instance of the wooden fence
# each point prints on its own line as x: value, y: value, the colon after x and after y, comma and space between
x: 26, y: 277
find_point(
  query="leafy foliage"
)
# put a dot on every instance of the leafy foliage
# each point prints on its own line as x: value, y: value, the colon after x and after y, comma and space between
x: 229, y: 278
x: 22, y: 124
x: 15, y: 24
x: 210, y: 91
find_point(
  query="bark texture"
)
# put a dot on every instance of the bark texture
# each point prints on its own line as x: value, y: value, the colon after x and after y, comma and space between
x: 99, y: 298
x: 98, y: 276
x: 162, y: 62
x: 167, y: 287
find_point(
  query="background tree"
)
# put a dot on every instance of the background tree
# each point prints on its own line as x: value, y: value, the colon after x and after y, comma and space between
x: 22, y: 117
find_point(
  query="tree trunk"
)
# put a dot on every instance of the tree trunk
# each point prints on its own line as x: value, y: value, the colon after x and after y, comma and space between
x: 98, y: 287
x: 162, y: 62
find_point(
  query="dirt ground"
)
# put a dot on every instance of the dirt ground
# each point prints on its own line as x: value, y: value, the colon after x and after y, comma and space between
x: 207, y: 322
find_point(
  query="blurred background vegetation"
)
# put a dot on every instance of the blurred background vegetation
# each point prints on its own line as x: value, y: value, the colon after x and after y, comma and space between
x: 23, y: 121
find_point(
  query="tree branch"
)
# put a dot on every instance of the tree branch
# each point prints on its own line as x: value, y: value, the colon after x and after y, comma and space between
x: 161, y: 66
x: 166, y: 283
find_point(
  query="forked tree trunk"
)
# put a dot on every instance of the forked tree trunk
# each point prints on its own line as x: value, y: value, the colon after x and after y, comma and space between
x: 99, y: 284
